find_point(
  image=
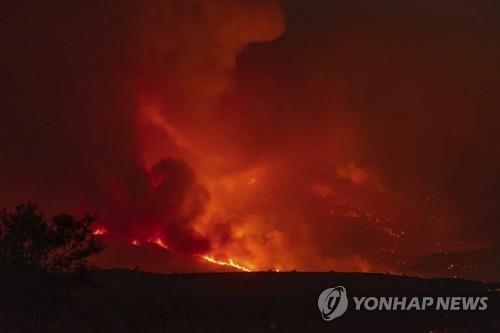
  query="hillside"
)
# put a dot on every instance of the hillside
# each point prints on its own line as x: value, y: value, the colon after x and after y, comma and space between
x: 134, y: 301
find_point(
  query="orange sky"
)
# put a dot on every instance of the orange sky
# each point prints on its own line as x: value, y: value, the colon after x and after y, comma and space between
x: 280, y: 135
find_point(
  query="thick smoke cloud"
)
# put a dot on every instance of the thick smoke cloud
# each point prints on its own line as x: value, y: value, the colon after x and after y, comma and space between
x: 79, y: 82
x: 363, y: 136
x: 389, y: 108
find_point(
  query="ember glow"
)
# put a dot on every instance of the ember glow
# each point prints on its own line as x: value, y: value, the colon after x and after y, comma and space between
x: 256, y: 135
x: 229, y: 263
x: 99, y: 231
x: 208, y: 258
x: 160, y: 243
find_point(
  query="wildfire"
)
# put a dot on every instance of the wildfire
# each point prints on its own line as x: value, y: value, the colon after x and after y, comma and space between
x: 229, y: 263
x: 160, y: 243
x: 99, y: 231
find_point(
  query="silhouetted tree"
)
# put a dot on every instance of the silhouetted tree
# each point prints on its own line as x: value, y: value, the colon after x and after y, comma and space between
x: 61, y: 244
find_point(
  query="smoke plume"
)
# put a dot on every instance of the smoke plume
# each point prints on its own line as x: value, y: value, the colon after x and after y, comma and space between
x: 297, y: 135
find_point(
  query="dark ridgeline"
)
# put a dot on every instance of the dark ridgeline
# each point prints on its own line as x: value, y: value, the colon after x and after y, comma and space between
x: 134, y: 301
x: 46, y: 286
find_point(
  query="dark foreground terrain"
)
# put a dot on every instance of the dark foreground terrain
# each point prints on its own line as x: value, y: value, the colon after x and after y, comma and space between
x: 133, y: 301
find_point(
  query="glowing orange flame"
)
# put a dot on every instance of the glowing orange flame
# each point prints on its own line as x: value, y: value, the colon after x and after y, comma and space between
x: 229, y: 263
x: 99, y: 231
x: 160, y: 243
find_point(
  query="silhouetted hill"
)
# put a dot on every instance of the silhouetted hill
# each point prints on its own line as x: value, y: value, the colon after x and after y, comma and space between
x: 134, y: 301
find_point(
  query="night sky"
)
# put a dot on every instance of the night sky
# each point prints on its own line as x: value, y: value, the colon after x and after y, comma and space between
x: 310, y: 135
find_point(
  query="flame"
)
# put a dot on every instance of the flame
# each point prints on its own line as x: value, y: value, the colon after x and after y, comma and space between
x: 99, y: 231
x: 160, y: 243
x: 229, y: 263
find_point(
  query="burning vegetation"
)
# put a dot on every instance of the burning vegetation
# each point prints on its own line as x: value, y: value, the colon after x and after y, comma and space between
x: 257, y: 135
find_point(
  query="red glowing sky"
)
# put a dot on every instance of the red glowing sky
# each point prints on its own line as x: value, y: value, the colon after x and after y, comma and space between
x: 286, y: 135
